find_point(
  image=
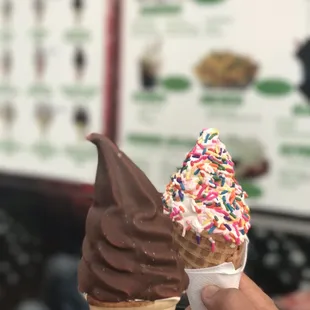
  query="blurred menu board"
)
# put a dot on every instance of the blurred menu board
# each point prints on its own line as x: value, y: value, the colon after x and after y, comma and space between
x: 238, y: 65
x: 52, y: 86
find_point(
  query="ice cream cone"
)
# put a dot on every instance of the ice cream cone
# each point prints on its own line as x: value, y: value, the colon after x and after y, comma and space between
x: 43, y: 125
x: 44, y: 117
x: 80, y: 130
x: 79, y: 73
x: 200, y: 255
x: 151, y: 275
x: 210, y: 217
x: 207, y: 206
x: 78, y: 17
x: 164, y: 304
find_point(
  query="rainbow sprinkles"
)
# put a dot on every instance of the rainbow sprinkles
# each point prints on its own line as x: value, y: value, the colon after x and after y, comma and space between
x: 204, y: 196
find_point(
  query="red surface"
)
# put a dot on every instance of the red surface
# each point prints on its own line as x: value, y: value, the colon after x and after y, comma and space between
x: 109, y: 71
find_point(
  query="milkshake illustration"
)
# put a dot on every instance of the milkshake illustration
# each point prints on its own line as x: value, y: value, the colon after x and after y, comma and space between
x: 44, y: 116
x: 39, y: 62
x: 79, y: 63
x: 39, y: 7
x: 8, y: 116
x: 6, y: 63
x: 149, y: 66
x: 78, y: 7
x: 6, y: 10
x: 81, y: 122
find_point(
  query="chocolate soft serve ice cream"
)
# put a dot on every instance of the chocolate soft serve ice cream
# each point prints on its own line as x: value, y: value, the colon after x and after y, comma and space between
x: 128, y: 251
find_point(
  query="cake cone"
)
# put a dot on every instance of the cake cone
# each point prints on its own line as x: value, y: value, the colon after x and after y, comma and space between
x: 200, y: 255
x: 163, y: 304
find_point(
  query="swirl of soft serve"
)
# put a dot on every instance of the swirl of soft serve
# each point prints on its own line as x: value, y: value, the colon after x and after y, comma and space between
x: 204, y: 196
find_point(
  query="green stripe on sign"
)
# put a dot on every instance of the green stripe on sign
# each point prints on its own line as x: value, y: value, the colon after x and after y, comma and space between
x: 161, y: 9
x: 209, y: 1
x: 274, y: 87
x: 176, y: 83
x: 301, y: 109
x: 144, y: 139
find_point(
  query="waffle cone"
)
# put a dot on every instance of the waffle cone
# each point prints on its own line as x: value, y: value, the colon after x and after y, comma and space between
x: 164, y: 304
x: 200, y: 255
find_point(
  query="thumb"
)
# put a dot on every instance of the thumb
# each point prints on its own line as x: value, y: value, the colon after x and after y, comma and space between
x: 215, y: 298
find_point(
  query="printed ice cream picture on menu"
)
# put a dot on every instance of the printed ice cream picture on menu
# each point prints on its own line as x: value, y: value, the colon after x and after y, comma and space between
x: 8, y: 116
x: 81, y: 121
x: 6, y: 63
x: 225, y: 70
x: 211, y: 219
x: 149, y: 66
x: 79, y: 63
x: 249, y: 157
x: 39, y: 7
x: 40, y: 62
x: 303, y: 55
x: 78, y: 8
x: 44, y: 116
x: 6, y: 10
x: 129, y: 257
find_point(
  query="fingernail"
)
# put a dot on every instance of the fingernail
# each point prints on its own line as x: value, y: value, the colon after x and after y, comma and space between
x: 209, y: 291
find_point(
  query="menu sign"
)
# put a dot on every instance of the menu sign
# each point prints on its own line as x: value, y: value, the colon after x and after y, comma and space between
x: 52, y: 86
x: 238, y: 65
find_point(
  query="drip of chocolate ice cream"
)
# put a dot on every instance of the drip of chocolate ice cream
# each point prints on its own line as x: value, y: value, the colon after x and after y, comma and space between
x: 128, y: 251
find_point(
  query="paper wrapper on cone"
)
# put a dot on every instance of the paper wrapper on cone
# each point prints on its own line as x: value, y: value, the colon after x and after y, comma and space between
x: 224, y: 275
x: 222, y: 267
x: 164, y: 304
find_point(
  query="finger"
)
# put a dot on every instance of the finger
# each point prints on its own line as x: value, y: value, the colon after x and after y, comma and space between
x: 188, y: 308
x: 215, y: 298
x: 255, y: 294
x: 300, y: 307
x: 295, y: 301
x: 301, y: 297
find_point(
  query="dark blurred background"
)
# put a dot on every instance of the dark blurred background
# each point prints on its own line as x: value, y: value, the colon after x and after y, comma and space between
x: 44, y: 201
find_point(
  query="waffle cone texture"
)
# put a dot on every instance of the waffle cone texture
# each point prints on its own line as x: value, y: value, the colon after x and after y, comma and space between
x: 196, y: 256
x: 165, y: 304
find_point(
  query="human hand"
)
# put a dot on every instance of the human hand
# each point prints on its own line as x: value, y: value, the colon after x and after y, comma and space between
x: 248, y: 297
x: 295, y: 301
